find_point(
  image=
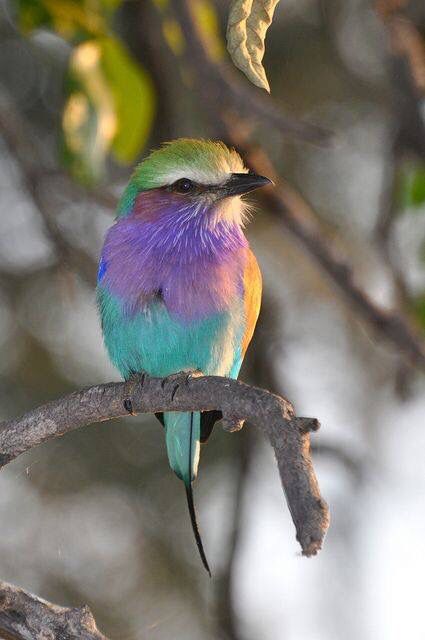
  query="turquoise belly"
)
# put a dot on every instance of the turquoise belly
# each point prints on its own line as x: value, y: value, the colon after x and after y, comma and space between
x: 154, y: 342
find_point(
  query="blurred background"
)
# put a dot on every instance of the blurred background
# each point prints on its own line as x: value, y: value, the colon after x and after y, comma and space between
x: 87, y: 87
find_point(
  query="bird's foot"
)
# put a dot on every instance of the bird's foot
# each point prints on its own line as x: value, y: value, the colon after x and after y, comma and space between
x: 196, y: 373
x: 135, y: 379
x: 231, y: 424
x: 128, y: 406
x: 174, y: 379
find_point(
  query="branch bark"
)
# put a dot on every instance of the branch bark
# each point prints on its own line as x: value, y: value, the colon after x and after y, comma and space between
x: 24, y: 616
x: 288, y: 435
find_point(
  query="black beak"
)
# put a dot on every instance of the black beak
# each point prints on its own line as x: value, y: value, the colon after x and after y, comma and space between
x: 240, y: 183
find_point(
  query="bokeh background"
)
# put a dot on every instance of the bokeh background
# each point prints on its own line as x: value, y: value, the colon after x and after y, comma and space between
x: 86, y: 88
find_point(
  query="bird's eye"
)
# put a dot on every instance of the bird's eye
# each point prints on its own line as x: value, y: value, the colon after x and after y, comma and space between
x: 184, y: 185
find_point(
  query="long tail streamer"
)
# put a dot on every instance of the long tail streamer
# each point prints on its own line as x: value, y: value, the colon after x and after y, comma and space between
x: 190, y: 504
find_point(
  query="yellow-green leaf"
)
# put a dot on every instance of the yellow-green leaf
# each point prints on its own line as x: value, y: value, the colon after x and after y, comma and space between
x: 32, y: 14
x: 134, y: 99
x: 206, y: 16
x: 246, y: 32
x: 72, y: 19
x: 413, y: 187
x: 89, y: 119
x: 110, y: 108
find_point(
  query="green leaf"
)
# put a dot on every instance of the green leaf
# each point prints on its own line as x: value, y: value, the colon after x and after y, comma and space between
x: 134, y: 98
x: 413, y: 188
x: 89, y: 118
x: 74, y: 20
x: 110, y: 108
x: 110, y: 5
x: 419, y: 310
x: 208, y: 24
x: 32, y: 14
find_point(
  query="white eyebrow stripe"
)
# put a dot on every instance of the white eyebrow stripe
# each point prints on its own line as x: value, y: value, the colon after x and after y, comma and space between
x: 214, y: 173
x: 200, y: 177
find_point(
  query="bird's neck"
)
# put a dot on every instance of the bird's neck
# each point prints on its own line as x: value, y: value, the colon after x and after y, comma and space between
x: 180, y: 242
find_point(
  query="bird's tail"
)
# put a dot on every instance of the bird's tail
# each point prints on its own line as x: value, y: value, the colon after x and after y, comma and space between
x: 182, y: 433
x: 192, y: 512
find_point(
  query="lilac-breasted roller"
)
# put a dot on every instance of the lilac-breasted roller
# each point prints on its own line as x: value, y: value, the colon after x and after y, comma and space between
x: 178, y: 287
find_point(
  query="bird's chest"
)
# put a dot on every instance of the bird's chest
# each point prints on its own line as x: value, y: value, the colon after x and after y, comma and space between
x: 200, y: 289
x: 193, y: 280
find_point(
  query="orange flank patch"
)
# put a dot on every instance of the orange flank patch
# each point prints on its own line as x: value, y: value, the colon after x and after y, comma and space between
x: 252, y: 287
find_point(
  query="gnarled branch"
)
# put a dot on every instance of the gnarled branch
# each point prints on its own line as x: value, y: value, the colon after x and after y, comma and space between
x: 24, y: 616
x: 288, y: 435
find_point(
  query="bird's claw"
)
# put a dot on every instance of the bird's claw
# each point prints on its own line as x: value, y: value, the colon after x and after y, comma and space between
x: 175, y: 377
x: 196, y: 373
x: 128, y: 406
x: 133, y: 380
x: 172, y: 378
x: 175, y: 380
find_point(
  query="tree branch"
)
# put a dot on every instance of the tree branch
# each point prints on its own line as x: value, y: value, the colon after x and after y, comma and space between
x: 288, y: 435
x: 393, y: 326
x: 24, y: 616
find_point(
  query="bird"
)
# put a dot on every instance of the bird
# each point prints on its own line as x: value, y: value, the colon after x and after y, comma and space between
x: 178, y: 287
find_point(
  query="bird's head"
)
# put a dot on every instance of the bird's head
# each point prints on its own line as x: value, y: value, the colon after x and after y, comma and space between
x: 190, y: 180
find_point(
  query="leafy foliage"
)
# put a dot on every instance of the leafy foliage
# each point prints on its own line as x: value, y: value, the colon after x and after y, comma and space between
x: 72, y: 19
x: 246, y: 33
x: 419, y: 310
x: 412, y: 199
x: 207, y: 19
x: 110, y: 104
x: 207, y: 22
x: 134, y: 99
x: 413, y: 187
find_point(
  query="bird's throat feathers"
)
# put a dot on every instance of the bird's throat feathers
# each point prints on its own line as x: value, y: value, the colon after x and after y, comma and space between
x: 169, y: 247
x: 169, y: 228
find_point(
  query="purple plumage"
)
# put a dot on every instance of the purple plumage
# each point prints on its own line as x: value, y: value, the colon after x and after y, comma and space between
x: 196, y: 266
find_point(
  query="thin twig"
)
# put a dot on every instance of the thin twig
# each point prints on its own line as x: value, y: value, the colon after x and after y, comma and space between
x: 393, y: 326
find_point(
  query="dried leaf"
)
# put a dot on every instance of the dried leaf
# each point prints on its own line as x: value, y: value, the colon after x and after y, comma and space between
x: 246, y: 32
